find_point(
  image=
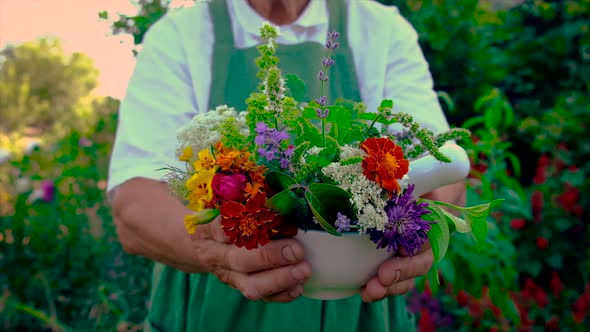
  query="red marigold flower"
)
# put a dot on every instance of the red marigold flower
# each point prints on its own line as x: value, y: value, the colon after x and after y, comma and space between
x: 385, y: 163
x: 518, y: 223
x: 542, y: 243
x: 249, y: 224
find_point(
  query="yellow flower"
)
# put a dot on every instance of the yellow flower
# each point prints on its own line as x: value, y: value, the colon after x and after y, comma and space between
x: 206, y: 160
x: 199, y: 187
x: 199, y: 218
x: 187, y: 154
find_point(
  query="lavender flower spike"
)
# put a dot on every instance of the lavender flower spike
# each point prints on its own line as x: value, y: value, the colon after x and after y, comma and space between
x: 405, y: 228
x: 322, y: 114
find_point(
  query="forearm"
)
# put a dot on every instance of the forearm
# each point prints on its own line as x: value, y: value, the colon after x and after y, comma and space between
x: 149, y: 222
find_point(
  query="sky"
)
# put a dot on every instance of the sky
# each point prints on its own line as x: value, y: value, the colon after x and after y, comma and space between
x: 76, y: 23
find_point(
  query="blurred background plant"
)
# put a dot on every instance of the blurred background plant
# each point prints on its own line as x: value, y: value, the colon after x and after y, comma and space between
x: 517, y: 73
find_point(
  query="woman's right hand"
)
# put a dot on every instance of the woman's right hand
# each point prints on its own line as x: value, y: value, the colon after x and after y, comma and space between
x: 274, y: 272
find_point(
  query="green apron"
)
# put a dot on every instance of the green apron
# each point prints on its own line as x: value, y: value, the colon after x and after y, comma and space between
x: 199, y: 302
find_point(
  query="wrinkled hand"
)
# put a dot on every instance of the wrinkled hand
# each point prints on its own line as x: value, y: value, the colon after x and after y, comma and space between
x: 396, y: 276
x: 274, y: 272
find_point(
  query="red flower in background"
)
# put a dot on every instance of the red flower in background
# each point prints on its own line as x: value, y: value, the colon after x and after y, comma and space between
x: 249, y: 224
x: 537, y: 204
x: 569, y: 200
x: 518, y: 223
x: 542, y: 243
x: 581, y: 308
x: 556, y: 284
x: 426, y: 323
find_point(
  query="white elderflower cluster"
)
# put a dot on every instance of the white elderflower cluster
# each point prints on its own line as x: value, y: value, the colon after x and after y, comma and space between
x: 367, y: 197
x: 202, y: 131
x: 347, y: 152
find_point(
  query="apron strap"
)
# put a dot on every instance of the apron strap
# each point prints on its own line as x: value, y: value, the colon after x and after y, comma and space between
x: 338, y: 10
x: 222, y: 24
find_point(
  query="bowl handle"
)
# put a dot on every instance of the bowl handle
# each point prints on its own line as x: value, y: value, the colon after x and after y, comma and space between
x: 428, y: 173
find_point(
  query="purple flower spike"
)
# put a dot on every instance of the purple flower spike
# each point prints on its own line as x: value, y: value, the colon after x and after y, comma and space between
x: 405, y: 228
x: 322, y: 100
x: 327, y: 62
x: 269, y: 142
x: 333, y: 35
x: 322, y: 114
x: 342, y: 223
x: 322, y: 76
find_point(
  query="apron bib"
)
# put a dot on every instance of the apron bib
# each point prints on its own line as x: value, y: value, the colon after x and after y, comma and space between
x: 199, y: 302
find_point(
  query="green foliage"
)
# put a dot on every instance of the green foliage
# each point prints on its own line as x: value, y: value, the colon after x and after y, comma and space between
x: 42, y: 87
x: 61, y: 264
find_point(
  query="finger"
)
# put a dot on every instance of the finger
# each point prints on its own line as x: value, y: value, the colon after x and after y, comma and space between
x: 275, y: 254
x: 267, y: 283
x: 286, y: 296
x: 375, y: 291
x: 403, y: 268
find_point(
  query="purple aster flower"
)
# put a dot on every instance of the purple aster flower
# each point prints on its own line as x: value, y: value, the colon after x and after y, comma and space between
x: 322, y: 114
x: 342, y: 223
x: 405, y: 227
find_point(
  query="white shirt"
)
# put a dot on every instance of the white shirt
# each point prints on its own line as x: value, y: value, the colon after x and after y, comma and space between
x: 172, y: 76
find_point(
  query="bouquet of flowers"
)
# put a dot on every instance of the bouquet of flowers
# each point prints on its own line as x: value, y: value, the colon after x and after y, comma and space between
x: 285, y: 165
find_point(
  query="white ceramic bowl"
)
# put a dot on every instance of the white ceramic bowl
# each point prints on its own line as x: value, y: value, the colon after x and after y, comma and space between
x: 342, y: 265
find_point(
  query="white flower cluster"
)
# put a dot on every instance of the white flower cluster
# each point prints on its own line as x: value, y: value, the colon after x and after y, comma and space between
x: 368, y: 198
x: 203, y: 130
x: 274, y: 89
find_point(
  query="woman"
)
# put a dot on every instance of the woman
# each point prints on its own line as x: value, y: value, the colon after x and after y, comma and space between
x: 204, y: 56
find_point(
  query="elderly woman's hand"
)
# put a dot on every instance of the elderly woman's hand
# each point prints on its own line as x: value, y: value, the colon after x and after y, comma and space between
x: 396, y: 276
x: 274, y: 272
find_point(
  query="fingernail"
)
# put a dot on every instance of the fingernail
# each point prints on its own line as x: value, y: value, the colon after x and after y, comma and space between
x: 396, y: 277
x: 288, y: 254
x: 299, y: 272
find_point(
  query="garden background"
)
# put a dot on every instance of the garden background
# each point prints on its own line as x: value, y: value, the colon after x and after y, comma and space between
x: 517, y: 73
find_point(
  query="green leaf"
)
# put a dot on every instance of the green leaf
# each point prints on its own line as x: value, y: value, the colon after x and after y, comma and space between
x: 310, y: 113
x: 339, y: 115
x: 368, y: 116
x: 325, y: 201
x: 461, y: 225
x: 385, y: 104
x: 296, y: 86
x: 480, y: 229
x: 103, y: 15
x: 439, y: 235
x: 433, y: 279
x: 283, y: 203
x: 279, y: 181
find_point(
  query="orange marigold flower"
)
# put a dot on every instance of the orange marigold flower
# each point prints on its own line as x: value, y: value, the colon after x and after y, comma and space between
x: 248, y: 225
x: 253, y: 188
x: 384, y: 163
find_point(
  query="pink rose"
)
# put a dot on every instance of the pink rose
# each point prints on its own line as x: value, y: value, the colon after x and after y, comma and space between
x: 229, y: 187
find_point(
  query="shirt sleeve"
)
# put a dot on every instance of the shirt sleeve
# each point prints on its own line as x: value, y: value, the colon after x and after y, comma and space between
x: 409, y: 81
x: 159, y: 100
